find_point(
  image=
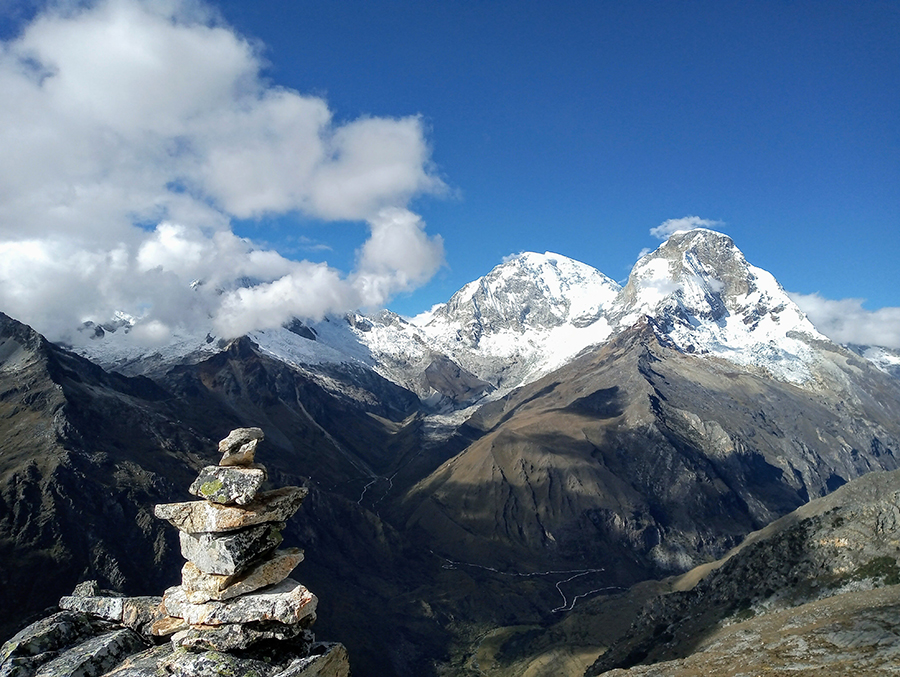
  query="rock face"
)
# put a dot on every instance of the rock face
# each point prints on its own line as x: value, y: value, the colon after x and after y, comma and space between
x: 235, y: 594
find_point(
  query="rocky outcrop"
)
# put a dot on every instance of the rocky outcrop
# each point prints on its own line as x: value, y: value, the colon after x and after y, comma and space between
x: 235, y: 612
x: 817, y: 590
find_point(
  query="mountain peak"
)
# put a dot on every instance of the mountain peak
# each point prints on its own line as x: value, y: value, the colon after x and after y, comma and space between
x: 709, y: 299
x: 695, y: 269
x: 529, y: 290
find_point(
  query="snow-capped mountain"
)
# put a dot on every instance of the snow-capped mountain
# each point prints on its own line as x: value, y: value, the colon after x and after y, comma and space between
x: 544, y: 419
x: 532, y: 314
x: 525, y: 318
x: 708, y: 299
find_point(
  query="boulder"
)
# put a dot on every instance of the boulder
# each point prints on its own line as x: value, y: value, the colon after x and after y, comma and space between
x: 46, y: 636
x: 94, y: 656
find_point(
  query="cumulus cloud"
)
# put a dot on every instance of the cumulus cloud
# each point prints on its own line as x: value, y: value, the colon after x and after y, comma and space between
x: 672, y: 226
x: 134, y: 131
x: 398, y: 256
x: 846, y: 321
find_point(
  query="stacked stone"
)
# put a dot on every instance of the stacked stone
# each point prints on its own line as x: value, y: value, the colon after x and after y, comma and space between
x: 235, y: 589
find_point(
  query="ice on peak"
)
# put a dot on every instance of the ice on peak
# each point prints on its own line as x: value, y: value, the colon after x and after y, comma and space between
x: 534, y: 312
x: 531, y: 288
x: 700, y: 288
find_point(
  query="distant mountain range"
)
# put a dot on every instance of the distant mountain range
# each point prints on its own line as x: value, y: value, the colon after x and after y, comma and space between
x: 531, y: 315
x: 544, y: 423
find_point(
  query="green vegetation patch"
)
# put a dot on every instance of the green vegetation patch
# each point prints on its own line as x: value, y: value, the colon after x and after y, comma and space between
x: 884, y: 567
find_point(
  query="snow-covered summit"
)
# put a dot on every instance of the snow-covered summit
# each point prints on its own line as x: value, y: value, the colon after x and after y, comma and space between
x: 527, y: 316
x: 709, y: 299
x: 527, y: 291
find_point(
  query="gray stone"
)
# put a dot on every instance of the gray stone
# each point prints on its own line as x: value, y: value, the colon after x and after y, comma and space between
x: 232, y: 552
x: 46, y: 635
x: 204, y: 516
x: 109, y: 608
x: 168, y: 625
x: 94, y: 656
x: 228, y: 485
x: 186, y: 663
x: 239, y: 448
x: 86, y: 589
x: 329, y: 660
x: 132, y: 612
x: 237, y: 636
x: 144, y: 664
x: 288, y: 602
x: 201, y: 587
x: 140, y: 613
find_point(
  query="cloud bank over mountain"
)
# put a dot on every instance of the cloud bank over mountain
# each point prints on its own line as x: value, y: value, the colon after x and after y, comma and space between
x: 134, y: 132
x: 846, y: 321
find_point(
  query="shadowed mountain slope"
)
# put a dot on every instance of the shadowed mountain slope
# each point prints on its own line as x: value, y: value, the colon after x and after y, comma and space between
x: 87, y: 454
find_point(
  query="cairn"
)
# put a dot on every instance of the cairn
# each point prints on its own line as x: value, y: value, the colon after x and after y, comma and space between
x: 235, y: 590
x: 236, y: 612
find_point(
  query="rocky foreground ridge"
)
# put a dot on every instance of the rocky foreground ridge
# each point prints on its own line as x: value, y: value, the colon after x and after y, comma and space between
x: 236, y: 612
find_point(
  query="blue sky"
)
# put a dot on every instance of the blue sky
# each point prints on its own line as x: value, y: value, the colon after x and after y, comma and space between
x: 576, y: 127
x: 573, y: 127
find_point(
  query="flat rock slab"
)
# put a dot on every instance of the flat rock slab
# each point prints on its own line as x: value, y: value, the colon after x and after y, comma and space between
x: 95, y: 656
x: 203, y: 516
x: 202, y: 587
x: 228, y: 485
x: 288, y: 602
x: 109, y: 608
x: 231, y: 552
x: 237, y: 636
x: 132, y: 612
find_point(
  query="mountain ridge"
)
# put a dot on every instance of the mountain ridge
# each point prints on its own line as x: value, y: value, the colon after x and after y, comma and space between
x: 532, y: 314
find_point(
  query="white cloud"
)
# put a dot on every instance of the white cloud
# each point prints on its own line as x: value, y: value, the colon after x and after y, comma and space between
x: 846, y: 321
x: 133, y: 131
x: 398, y: 257
x: 672, y: 226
